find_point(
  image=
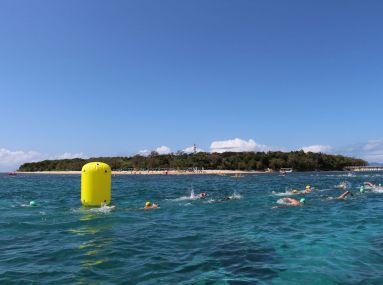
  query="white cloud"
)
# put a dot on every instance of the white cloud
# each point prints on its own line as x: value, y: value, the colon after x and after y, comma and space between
x: 372, y: 151
x: 163, y: 150
x: 68, y: 155
x: 374, y: 157
x: 144, y: 152
x: 11, y: 160
x: 237, y: 145
x: 373, y: 145
x: 190, y: 149
x: 317, y: 148
x: 160, y: 150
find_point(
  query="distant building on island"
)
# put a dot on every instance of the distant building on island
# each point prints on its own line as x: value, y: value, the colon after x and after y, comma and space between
x: 363, y: 168
x: 285, y: 170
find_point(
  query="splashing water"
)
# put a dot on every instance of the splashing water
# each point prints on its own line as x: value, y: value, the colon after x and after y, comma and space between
x: 104, y: 209
x: 343, y: 185
x: 287, y: 193
x: 235, y: 196
x: 282, y: 202
x: 191, y: 242
x: 377, y: 189
x: 192, y: 195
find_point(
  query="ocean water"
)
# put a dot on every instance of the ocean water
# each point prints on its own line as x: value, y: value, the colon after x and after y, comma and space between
x: 190, y: 241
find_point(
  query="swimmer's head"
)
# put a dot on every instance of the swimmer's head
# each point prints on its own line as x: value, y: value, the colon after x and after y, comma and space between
x: 147, y: 204
x: 308, y: 187
x: 303, y: 200
x: 32, y: 203
x: 361, y: 189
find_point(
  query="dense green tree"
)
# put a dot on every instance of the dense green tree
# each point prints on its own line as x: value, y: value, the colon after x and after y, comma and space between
x: 298, y: 160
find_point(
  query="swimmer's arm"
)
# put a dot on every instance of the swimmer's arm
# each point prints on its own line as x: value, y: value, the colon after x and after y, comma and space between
x: 344, y: 195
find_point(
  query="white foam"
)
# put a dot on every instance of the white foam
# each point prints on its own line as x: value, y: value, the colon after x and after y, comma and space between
x: 282, y: 202
x: 184, y: 198
x: 377, y: 189
x: 187, y: 198
x: 235, y: 196
x: 343, y: 185
x: 103, y: 209
x: 287, y: 193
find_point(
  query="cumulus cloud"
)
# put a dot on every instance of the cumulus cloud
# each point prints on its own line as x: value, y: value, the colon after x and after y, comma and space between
x: 68, y: 155
x: 372, y: 151
x: 190, y: 149
x: 317, y: 148
x: 373, y: 145
x: 10, y: 160
x: 160, y: 150
x: 237, y: 145
x: 144, y: 152
x: 374, y: 158
x: 163, y: 150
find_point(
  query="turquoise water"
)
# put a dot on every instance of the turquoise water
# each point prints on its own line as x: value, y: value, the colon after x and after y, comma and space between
x: 240, y: 241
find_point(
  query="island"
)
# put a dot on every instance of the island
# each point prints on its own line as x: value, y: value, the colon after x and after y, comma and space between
x: 204, y: 162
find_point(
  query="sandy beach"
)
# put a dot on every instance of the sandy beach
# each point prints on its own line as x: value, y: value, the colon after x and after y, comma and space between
x: 157, y: 172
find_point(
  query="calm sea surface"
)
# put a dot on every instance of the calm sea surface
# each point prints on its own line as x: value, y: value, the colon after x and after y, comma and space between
x: 186, y: 241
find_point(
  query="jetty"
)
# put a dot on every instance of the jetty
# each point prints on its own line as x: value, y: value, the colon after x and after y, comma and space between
x: 363, y: 168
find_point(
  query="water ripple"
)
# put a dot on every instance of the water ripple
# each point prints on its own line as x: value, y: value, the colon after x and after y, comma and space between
x: 219, y: 240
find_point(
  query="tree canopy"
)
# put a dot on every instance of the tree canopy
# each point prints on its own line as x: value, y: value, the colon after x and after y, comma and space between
x: 298, y: 160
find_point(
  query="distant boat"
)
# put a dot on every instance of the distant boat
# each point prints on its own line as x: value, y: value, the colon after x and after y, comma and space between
x: 285, y: 170
x: 238, y: 175
x: 12, y: 173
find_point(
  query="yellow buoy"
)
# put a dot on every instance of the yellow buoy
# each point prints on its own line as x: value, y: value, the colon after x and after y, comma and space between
x: 96, y: 184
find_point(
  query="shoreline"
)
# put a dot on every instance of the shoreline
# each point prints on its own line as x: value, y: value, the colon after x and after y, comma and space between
x: 157, y: 172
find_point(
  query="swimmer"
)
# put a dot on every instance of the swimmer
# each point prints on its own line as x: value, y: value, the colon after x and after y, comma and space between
x: 202, y: 195
x: 149, y: 205
x: 345, y: 195
x: 224, y: 199
x: 342, y: 185
x: 293, y: 202
x: 369, y: 185
x: 308, y: 189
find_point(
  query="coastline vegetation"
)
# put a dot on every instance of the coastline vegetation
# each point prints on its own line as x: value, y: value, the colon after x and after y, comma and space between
x: 298, y: 160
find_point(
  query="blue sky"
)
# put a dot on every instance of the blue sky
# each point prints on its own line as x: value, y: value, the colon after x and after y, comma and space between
x: 92, y: 78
